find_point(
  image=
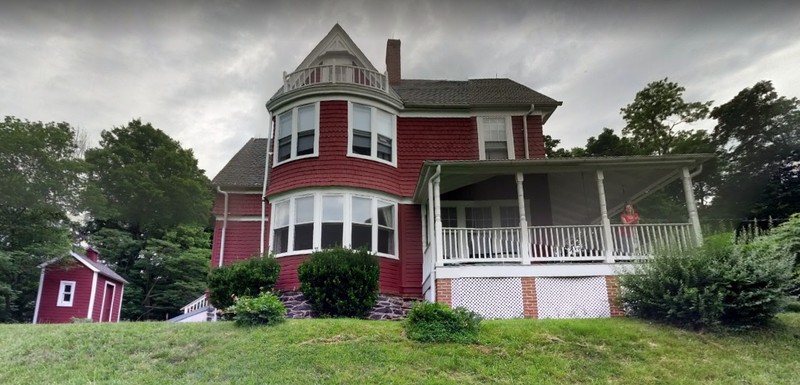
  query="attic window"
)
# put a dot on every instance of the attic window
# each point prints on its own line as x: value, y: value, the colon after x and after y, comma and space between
x: 297, y: 133
x: 66, y: 293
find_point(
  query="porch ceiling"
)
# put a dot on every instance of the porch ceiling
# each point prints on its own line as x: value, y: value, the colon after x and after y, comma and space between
x: 572, y: 181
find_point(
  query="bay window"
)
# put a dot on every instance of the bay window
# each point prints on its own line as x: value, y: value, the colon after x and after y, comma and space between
x: 372, y: 133
x: 308, y: 222
x: 297, y: 133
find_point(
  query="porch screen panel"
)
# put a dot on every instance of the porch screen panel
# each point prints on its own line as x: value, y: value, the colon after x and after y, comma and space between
x: 450, y: 242
x: 480, y: 236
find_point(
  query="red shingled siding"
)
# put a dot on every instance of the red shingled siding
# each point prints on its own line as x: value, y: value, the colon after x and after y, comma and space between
x: 238, y: 204
x: 410, y: 238
x: 536, y: 136
x: 54, y: 274
x: 241, y: 241
x: 418, y: 139
x: 100, y: 310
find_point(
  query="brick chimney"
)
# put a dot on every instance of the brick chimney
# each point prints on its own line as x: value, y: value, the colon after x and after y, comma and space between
x: 393, y: 61
x: 92, y: 253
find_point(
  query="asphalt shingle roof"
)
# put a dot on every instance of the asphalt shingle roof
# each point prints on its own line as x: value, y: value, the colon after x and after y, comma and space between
x: 246, y: 168
x: 465, y: 93
x: 103, y: 269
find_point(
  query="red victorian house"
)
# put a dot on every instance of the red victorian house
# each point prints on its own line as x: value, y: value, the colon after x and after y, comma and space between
x: 447, y: 182
x: 78, y: 287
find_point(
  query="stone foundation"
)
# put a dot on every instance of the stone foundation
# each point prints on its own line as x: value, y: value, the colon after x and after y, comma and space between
x: 387, y: 307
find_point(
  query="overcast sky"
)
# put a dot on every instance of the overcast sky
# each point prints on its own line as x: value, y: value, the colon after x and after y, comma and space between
x: 202, y: 71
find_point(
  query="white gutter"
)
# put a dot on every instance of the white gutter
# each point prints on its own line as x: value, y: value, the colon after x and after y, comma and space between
x: 264, y: 187
x: 224, y: 226
x: 525, y: 130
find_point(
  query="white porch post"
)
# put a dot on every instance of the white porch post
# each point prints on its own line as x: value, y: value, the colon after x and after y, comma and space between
x: 608, y: 240
x: 437, y: 219
x: 523, y: 222
x: 692, y: 206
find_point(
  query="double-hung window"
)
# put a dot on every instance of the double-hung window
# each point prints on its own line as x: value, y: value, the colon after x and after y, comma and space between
x: 372, y: 133
x: 495, y: 138
x: 297, y: 133
x: 66, y: 294
x: 305, y: 223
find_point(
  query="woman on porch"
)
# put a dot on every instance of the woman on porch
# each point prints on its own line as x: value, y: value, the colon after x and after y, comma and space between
x: 627, y: 233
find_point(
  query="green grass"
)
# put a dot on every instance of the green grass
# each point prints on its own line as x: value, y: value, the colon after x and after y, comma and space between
x: 344, y: 351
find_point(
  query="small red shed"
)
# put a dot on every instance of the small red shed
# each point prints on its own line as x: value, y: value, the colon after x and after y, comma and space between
x: 78, y: 286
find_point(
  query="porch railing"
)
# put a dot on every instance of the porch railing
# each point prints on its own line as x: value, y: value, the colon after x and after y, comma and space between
x: 582, y: 243
x: 199, y: 303
x: 481, y: 245
x: 335, y: 74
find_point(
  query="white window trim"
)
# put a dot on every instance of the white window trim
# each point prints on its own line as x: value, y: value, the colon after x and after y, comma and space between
x: 495, y: 205
x: 347, y: 221
x: 374, y: 136
x: 481, y: 141
x: 62, y: 286
x: 293, y: 151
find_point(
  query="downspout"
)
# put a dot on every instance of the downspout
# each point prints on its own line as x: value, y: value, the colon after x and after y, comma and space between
x: 224, y: 226
x: 525, y: 130
x: 264, y: 187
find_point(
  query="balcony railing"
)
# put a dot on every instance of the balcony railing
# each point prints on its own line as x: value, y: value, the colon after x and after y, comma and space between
x: 584, y: 243
x: 335, y: 74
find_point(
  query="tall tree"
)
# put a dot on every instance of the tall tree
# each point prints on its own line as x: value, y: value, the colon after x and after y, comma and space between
x: 40, y: 179
x: 150, y: 202
x: 609, y: 144
x: 758, y: 135
x: 653, y: 118
x: 144, y: 182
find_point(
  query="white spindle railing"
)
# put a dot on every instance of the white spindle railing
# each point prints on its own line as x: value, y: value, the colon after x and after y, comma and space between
x: 200, y: 303
x: 335, y: 74
x: 566, y: 243
x: 481, y: 245
x: 559, y: 243
x: 641, y: 241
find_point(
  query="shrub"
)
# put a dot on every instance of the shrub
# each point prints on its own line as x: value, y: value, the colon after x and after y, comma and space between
x: 266, y: 309
x: 720, y: 284
x: 787, y: 237
x: 245, y: 278
x: 435, y: 322
x: 340, y: 282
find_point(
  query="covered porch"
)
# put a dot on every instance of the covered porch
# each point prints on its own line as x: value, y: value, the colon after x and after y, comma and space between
x: 538, y: 212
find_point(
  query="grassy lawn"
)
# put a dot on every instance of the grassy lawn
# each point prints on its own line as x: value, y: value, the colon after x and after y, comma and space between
x: 344, y: 351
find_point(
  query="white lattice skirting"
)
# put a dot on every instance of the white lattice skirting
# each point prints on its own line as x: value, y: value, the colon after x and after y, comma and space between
x: 556, y: 297
x: 574, y: 297
x: 489, y: 297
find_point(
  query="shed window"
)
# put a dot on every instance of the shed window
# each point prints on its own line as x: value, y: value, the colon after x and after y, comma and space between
x: 66, y: 293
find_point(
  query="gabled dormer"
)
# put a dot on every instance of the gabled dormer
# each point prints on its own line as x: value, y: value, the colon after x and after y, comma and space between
x: 335, y: 65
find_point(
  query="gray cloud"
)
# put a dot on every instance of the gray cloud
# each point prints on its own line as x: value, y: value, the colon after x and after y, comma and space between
x: 202, y: 71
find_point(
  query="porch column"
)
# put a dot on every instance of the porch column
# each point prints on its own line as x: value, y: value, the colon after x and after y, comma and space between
x: 524, y: 248
x: 437, y: 220
x: 692, y: 206
x: 608, y: 238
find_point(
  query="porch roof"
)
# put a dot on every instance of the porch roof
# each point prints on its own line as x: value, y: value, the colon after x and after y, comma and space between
x: 571, y: 181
